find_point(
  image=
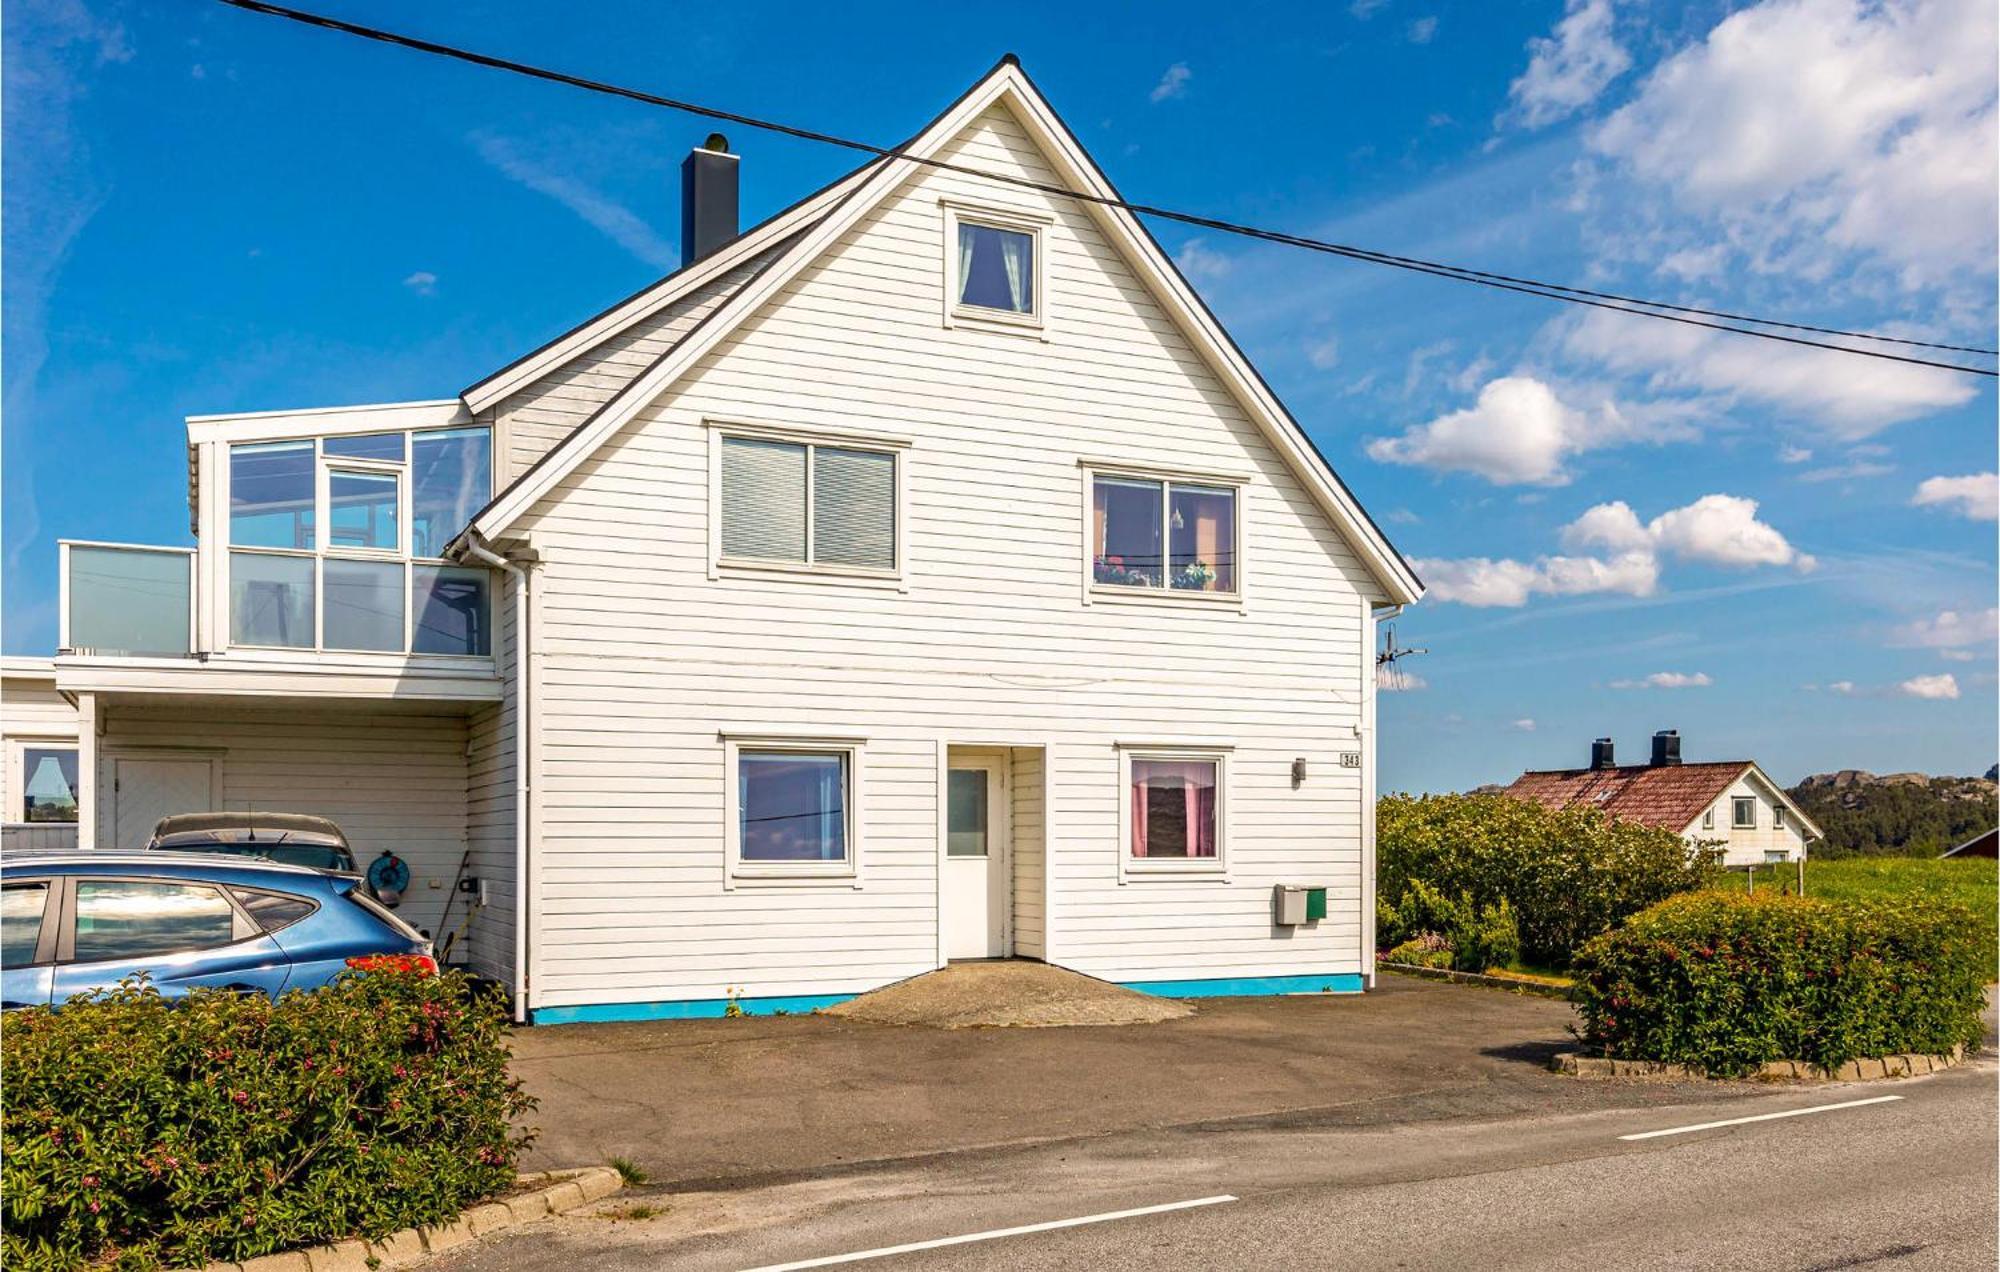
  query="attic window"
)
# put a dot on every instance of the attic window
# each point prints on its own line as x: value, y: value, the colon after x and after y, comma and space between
x: 1743, y: 813
x: 994, y: 267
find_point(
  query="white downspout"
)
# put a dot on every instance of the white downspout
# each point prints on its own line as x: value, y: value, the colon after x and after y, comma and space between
x: 524, y: 785
x: 1372, y: 618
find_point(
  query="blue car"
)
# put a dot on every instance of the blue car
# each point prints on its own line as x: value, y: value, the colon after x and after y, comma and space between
x: 76, y: 921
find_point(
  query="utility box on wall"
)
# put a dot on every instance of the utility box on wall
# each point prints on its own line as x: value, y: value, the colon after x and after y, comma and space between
x: 1299, y: 904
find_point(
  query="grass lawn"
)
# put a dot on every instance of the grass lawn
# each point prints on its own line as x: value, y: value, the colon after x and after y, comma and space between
x: 1973, y: 882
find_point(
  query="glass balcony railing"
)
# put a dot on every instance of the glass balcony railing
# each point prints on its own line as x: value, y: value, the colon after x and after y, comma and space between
x: 124, y: 598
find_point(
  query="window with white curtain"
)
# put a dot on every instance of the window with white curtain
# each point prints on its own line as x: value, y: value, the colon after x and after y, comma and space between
x: 1173, y: 809
x: 812, y: 504
x: 995, y: 266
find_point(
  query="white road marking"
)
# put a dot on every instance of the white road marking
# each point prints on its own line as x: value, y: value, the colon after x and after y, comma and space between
x: 1761, y: 1117
x: 996, y: 1234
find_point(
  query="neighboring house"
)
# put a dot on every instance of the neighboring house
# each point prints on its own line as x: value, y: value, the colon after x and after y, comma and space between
x: 921, y: 574
x: 1731, y: 802
x: 1981, y: 845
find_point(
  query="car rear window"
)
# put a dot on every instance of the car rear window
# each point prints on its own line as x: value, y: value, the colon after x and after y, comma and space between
x: 384, y: 913
x: 317, y: 856
x: 272, y: 910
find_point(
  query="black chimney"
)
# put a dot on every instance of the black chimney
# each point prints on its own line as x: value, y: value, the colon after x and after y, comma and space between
x: 708, y: 198
x: 1666, y: 747
x: 1600, y: 754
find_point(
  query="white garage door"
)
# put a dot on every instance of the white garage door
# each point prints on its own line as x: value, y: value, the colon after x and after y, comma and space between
x: 147, y: 789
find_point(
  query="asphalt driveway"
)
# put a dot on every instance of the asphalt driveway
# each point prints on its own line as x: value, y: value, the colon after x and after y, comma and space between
x: 737, y: 1101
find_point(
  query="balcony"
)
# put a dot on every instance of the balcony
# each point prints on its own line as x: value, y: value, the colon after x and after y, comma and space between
x: 127, y: 599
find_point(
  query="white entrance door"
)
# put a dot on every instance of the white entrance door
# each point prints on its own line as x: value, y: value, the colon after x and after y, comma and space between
x: 145, y: 789
x: 975, y: 858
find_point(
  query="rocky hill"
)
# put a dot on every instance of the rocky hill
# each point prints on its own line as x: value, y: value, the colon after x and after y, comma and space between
x: 1896, y: 814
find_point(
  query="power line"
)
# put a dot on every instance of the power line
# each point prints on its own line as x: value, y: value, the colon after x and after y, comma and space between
x: 1660, y: 310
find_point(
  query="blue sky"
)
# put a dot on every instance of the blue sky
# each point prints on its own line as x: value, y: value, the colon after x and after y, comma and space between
x: 1788, y: 555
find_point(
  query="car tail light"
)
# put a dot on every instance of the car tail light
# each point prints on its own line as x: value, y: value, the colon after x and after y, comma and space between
x: 413, y: 964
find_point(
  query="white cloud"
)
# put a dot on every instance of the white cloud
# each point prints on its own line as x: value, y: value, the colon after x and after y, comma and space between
x: 1794, y: 455
x: 1942, y: 685
x: 1323, y: 352
x: 1853, y: 469
x: 1667, y: 680
x: 1844, y: 396
x: 1951, y: 629
x: 1424, y: 29
x: 1202, y: 263
x: 1173, y: 83
x: 1976, y: 496
x: 1958, y: 655
x: 1724, y: 530
x: 1845, y: 688
x: 1366, y: 9
x: 1713, y: 530
x: 1568, y: 68
x: 1483, y: 583
x: 1520, y: 432
x: 1811, y: 129
x: 1525, y: 725
x: 423, y: 283
x: 617, y: 222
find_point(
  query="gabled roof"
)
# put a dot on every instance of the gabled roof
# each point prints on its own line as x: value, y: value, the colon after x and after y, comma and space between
x: 842, y: 206
x: 1670, y: 796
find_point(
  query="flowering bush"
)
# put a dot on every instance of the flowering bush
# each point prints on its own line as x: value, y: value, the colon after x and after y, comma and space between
x: 1725, y: 982
x: 140, y: 1132
x: 1566, y: 876
x: 1471, y: 937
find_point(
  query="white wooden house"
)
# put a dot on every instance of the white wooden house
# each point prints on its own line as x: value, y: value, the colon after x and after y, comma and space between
x: 921, y: 574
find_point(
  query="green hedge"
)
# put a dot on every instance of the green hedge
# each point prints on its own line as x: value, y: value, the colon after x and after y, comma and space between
x: 1566, y: 875
x: 1726, y: 982
x: 140, y: 1132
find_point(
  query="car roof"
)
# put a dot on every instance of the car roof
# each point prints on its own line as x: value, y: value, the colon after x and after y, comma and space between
x: 245, y: 826
x: 123, y: 861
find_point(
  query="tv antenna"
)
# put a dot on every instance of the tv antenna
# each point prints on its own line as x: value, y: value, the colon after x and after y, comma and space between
x: 1388, y: 674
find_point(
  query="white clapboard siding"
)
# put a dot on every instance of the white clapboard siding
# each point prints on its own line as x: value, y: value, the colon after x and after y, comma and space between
x: 1026, y: 829
x: 643, y: 659
x: 1746, y: 845
x: 393, y: 777
x: 491, y: 802
x: 535, y: 418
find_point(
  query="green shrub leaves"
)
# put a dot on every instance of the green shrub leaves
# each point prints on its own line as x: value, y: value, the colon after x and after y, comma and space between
x: 1725, y: 982
x: 139, y: 1132
x: 1565, y: 876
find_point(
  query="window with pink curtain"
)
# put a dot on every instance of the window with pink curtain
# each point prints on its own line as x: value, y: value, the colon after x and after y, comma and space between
x: 1173, y: 808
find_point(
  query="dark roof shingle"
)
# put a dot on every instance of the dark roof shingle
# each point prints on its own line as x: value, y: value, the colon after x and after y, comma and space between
x: 1668, y: 795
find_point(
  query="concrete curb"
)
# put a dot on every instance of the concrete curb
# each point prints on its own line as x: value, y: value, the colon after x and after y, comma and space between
x: 558, y: 1191
x: 1869, y: 1070
x: 1477, y: 978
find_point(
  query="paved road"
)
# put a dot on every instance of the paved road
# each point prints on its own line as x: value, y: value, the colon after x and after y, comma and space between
x: 1907, y: 1184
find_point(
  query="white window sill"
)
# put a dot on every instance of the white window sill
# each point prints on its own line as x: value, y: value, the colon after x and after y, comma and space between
x: 793, y: 876
x: 780, y: 571
x: 983, y: 319
x: 1169, y: 868
x: 1120, y: 594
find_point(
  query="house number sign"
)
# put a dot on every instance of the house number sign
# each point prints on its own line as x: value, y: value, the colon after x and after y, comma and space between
x: 1350, y: 759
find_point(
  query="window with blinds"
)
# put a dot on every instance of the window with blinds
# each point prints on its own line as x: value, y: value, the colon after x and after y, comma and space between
x: 802, y: 503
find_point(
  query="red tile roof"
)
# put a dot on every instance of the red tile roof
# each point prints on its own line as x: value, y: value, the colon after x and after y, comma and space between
x: 1669, y: 795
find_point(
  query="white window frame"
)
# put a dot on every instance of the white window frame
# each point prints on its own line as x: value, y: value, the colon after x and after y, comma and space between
x: 324, y: 466
x: 1014, y: 221
x: 1708, y: 818
x: 898, y: 448
x: 18, y: 746
x: 1777, y: 817
x: 1216, y: 868
x: 1736, y: 821
x: 1093, y: 591
x: 740, y: 873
